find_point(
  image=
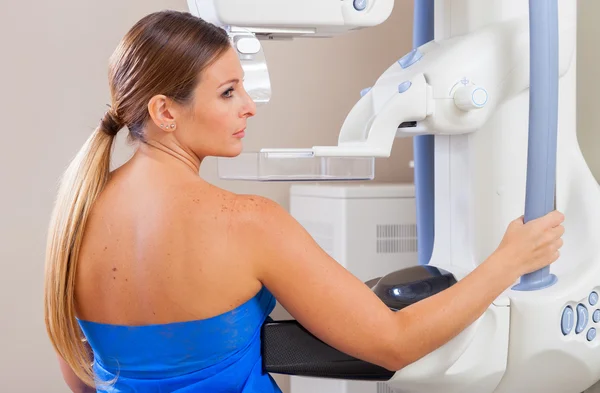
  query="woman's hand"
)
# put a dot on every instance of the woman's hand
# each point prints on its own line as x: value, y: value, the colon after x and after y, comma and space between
x: 532, y: 246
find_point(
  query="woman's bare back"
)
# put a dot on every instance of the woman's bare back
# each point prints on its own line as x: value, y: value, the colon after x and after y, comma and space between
x: 159, y: 248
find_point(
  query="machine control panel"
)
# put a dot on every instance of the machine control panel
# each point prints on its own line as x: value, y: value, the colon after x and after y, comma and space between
x: 579, y: 319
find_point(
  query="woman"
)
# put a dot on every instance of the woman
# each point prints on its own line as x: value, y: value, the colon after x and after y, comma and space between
x: 164, y: 280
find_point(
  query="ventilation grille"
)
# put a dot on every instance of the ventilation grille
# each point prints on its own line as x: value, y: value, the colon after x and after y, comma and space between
x: 384, y: 388
x: 396, y: 239
x: 322, y: 233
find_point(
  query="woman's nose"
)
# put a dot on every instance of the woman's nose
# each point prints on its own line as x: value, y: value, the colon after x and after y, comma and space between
x: 249, y: 108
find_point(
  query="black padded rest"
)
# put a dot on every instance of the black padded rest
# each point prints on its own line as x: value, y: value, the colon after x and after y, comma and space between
x: 288, y: 348
x: 401, y: 288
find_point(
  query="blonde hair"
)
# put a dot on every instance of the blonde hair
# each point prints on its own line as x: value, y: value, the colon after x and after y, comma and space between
x: 81, y: 184
x: 163, y: 53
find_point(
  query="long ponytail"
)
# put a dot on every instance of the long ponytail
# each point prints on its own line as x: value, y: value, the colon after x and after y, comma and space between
x: 80, y: 185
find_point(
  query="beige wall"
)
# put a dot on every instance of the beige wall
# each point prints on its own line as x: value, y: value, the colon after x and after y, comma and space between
x: 588, y: 85
x: 54, y: 91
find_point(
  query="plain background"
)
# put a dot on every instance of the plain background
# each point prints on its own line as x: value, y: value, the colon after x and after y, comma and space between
x: 54, y: 91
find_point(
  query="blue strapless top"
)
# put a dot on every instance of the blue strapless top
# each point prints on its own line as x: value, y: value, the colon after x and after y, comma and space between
x: 218, y: 354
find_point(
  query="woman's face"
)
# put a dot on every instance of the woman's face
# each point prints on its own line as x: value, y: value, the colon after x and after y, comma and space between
x: 215, y: 123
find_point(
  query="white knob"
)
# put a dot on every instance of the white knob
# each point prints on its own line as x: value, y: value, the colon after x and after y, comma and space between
x: 248, y: 46
x: 470, y: 97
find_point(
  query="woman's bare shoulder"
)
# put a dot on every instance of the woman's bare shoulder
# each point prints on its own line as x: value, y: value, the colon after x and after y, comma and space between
x: 246, y: 206
x: 255, y: 211
x: 241, y: 212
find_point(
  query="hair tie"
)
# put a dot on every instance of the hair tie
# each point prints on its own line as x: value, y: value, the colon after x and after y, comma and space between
x: 111, y: 124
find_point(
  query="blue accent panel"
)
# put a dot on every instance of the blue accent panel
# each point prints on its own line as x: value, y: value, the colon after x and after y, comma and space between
x: 543, y: 124
x: 568, y: 320
x: 360, y: 5
x: 593, y: 298
x: 404, y: 86
x: 591, y: 334
x: 423, y: 145
x: 596, y: 316
x: 423, y: 24
x: 365, y: 91
x: 423, y: 149
x: 582, y: 318
x: 410, y: 58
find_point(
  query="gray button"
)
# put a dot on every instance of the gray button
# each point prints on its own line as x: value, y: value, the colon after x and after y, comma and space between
x: 591, y: 334
x: 402, y: 87
x: 593, y: 298
x: 582, y: 318
x: 568, y: 320
x: 360, y: 5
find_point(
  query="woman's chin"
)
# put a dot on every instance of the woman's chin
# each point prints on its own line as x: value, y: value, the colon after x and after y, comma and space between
x: 232, y: 151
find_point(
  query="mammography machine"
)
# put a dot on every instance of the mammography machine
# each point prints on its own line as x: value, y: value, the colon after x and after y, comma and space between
x: 488, y: 94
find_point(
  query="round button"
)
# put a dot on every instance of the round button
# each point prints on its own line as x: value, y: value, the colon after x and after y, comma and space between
x: 470, y: 97
x: 591, y: 334
x: 360, y: 5
x: 596, y: 316
x: 593, y: 298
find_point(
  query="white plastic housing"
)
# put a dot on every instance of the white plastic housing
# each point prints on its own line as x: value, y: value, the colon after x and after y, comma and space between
x: 292, y: 18
x: 382, y: 215
x: 464, y: 80
x: 257, y: 81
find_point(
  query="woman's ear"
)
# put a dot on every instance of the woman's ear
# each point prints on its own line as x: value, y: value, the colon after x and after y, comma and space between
x: 161, y: 112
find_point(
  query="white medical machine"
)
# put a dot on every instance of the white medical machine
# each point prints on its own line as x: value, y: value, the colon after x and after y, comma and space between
x: 494, y: 88
x: 381, y: 215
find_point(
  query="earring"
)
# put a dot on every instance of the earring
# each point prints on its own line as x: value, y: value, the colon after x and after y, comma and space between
x: 172, y: 126
x: 162, y: 126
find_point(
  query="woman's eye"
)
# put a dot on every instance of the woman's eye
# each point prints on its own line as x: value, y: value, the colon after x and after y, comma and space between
x: 228, y: 93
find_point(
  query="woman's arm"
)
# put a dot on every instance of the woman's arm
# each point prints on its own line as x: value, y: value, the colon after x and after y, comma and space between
x: 343, y: 312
